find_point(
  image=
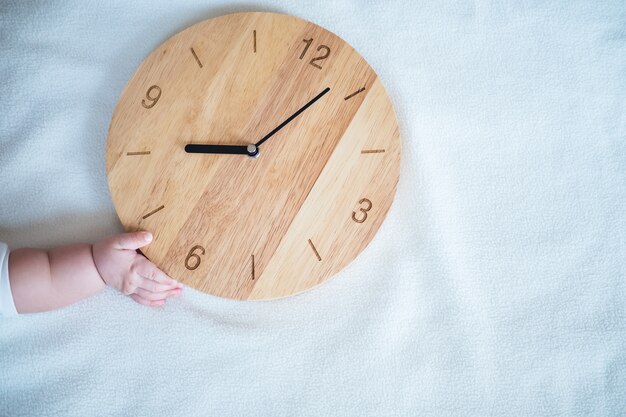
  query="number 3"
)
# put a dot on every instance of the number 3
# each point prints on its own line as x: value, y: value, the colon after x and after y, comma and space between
x: 362, y: 210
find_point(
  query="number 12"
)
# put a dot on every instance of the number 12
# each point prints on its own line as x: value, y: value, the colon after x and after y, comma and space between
x: 308, y: 43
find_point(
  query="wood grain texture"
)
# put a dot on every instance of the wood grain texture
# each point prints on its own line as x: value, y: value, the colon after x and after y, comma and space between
x: 304, y: 187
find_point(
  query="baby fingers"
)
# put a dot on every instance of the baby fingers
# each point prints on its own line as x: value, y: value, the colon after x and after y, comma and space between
x: 146, y: 269
x: 149, y: 303
x: 154, y: 286
x: 155, y: 296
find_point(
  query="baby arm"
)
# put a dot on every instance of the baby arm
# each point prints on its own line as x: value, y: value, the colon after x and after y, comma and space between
x: 46, y: 280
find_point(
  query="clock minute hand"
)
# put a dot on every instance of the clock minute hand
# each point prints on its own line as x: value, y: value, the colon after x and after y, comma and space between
x: 293, y: 116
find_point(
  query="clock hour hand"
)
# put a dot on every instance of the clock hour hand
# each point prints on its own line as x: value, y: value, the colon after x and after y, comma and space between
x: 250, y: 150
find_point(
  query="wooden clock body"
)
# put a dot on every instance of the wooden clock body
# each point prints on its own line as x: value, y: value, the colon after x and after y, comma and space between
x: 254, y: 228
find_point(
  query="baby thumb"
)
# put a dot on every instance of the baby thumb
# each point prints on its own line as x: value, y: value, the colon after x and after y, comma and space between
x: 133, y: 240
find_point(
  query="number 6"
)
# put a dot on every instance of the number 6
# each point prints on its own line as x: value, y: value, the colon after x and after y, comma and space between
x: 195, y: 256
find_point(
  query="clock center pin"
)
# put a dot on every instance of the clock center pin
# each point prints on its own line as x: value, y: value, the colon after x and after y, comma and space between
x: 253, y: 151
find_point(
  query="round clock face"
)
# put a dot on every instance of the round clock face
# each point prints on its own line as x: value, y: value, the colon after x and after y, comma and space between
x: 261, y: 151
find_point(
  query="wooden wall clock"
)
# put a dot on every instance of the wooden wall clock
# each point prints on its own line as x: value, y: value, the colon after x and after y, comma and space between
x: 261, y: 151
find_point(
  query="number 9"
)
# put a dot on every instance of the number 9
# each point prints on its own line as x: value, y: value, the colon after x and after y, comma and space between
x: 151, y: 97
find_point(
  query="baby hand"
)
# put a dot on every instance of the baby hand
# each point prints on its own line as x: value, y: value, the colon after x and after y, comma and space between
x: 122, y: 268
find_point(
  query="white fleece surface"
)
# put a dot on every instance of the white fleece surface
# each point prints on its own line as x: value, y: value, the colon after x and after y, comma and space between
x: 496, y: 286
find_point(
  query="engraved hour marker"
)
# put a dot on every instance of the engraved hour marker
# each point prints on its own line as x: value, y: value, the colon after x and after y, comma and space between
x: 138, y: 153
x: 373, y: 151
x: 152, y: 212
x: 319, y: 258
x: 254, y: 40
x: 253, y: 268
x: 196, y: 56
x: 360, y: 90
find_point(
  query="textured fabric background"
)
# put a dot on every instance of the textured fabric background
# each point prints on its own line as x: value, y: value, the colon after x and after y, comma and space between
x: 496, y: 286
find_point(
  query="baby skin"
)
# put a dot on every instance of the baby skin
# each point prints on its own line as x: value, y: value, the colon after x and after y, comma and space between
x: 46, y: 280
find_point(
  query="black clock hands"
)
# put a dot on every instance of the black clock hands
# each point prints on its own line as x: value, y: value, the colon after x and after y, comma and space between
x: 251, y: 149
x: 222, y: 149
x: 293, y: 116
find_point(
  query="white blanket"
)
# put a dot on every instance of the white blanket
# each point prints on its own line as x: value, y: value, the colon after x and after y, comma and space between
x: 496, y: 286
